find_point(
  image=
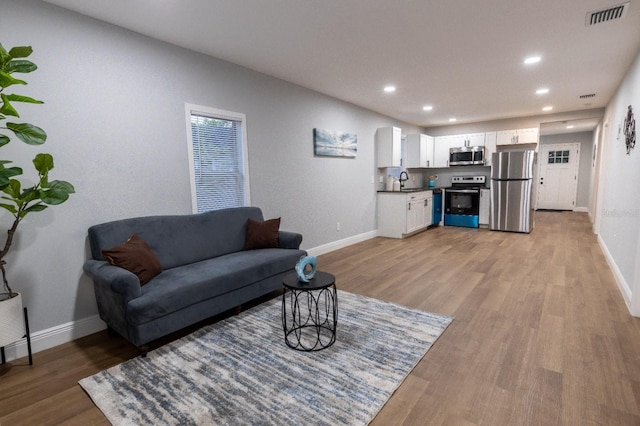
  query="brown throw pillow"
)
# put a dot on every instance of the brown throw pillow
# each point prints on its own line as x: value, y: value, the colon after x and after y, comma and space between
x: 262, y: 234
x: 135, y: 256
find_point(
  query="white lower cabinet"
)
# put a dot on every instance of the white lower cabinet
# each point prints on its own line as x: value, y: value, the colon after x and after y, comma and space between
x: 485, y: 207
x: 401, y: 214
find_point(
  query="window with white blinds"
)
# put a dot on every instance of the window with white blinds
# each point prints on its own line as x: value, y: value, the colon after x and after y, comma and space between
x: 218, y: 154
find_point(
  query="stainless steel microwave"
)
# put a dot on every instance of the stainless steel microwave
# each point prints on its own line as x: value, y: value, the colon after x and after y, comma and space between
x: 466, y: 156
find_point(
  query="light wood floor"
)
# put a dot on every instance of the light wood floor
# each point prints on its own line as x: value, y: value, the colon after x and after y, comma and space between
x: 541, y: 334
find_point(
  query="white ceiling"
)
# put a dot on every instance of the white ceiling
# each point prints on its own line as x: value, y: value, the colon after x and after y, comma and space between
x: 463, y: 57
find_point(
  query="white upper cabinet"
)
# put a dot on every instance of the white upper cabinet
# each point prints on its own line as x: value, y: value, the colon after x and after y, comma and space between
x: 441, y: 147
x: 471, y: 139
x: 442, y: 144
x: 476, y: 139
x: 389, y: 147
x: 519, y: 136
x: 489, y: 146
x: 528, y: 135
x: 419, y: 153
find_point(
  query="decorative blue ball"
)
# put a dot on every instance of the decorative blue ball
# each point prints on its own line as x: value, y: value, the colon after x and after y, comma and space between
x: 302, y: 264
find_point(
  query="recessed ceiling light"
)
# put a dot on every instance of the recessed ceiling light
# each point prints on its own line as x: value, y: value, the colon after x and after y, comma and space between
x: 389, y: 89
x: 427, y: 108
x: 532, y: 60
x: 547, y: 108
x: 452, y: 119
x: 542, y: 91
x: 570, y: 127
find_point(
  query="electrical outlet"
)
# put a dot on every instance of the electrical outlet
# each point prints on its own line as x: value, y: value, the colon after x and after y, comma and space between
x: 381, y: 179
x: 337, y: 226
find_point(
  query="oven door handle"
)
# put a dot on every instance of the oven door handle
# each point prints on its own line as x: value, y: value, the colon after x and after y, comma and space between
x: 464, y: 191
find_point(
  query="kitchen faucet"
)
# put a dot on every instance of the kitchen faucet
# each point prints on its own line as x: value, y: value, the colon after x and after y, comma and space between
x: 403, y: 180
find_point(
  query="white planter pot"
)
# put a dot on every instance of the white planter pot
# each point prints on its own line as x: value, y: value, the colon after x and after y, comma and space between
x: 11, y: 320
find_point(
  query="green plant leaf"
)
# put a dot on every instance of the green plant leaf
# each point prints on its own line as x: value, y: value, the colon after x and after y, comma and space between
x: 4, y: 55
x: 28, y: 133
x: 54, y: 196
x: 20, y: 51
x: 21, y: 66
x: 6, y: 80
x: 9, y: 207
x: 61, y: 185
x: 6, y: 174
x: 34, y: 208
x: 4, y: 139
x: 19, y: 98
x: 43, y: 163
x: 29, y: 195
x: 13, y: 189
x: 6, y: 107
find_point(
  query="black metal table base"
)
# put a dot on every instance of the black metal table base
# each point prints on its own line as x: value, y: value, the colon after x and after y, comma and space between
x: 310, y: 321
x: 27, y: 335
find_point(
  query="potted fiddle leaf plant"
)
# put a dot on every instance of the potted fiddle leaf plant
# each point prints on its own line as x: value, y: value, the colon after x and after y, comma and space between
x: 19, y: 195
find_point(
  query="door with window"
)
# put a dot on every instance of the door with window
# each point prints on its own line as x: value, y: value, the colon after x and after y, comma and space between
x: 558, y: 176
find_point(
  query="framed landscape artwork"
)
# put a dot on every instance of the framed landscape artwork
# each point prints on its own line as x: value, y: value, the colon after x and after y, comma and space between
x: 334, y: 143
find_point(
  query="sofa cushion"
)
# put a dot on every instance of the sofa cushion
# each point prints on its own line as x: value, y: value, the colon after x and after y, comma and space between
x: 135, y: 256
x: 181, y: 239
x: 180, y: 287
x: 262, y: 234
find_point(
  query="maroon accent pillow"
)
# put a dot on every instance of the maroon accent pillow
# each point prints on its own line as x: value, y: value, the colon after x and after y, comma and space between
x: 135, y: 256
x: 262, y: 234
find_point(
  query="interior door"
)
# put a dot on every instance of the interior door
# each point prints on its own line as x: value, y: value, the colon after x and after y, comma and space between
x: 558, y: 176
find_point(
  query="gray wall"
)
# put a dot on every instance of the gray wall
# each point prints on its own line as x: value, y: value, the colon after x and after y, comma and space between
x: 115, y: 117
x: 618, y: 209
x: 585, y: 139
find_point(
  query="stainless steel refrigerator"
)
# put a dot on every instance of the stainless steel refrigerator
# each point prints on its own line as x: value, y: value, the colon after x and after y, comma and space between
x: 512, y: 204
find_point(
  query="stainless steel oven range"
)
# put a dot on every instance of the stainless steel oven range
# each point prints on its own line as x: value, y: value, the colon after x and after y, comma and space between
x: 462, y: 201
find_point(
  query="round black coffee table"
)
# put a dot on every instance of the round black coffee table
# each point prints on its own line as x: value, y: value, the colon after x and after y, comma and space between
x: 309, y: 312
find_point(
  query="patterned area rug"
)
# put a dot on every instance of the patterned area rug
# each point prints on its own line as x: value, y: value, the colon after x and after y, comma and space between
x: 239, y: 371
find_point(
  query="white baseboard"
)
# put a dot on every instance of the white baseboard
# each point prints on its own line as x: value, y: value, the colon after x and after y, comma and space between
x: 335, y: 245
x: 64, y: 333
x: 581, y: 209
x: 54, y: 336
x: 625, y: 290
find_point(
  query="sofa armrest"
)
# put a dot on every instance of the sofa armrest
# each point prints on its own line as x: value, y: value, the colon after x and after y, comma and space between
x: 113, y: 278
x: 289, y: 240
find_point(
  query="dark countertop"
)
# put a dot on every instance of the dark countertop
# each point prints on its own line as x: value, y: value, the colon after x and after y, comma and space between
x: 409, y: 190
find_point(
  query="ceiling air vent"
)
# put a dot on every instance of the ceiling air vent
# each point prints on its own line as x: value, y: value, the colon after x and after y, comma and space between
x: 588, y: 96
x: 608, y: 14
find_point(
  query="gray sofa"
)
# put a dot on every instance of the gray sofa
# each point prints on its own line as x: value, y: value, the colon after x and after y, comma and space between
x: 205, y: 271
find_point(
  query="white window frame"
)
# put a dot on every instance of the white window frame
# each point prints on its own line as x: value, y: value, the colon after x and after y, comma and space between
x: 225, y: 115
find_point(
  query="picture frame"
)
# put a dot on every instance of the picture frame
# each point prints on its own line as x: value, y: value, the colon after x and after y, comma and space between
x: 332, y: 143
